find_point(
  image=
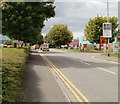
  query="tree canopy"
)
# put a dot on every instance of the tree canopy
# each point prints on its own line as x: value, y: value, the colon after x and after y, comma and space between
x: 93, y: 30
x: 59, y: 35
x: 25, y: 20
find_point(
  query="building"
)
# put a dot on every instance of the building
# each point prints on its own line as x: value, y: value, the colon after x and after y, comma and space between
x: 74, y: 44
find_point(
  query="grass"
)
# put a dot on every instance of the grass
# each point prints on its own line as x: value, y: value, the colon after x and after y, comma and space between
x: 13, y: 61
x: 95, y: 51
x: 113, y: 54
x: 90, y: 51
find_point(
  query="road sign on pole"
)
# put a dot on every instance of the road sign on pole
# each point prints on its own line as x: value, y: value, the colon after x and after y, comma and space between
x: 107, y: 30
x: 118, y: 37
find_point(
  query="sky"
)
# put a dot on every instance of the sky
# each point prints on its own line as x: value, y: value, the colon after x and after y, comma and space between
x: 76, y: 14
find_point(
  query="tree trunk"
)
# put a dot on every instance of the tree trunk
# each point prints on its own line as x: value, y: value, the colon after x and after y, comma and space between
x: 15, y: 45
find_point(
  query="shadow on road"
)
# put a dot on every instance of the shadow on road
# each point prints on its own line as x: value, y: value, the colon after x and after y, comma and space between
x: 66, y: 62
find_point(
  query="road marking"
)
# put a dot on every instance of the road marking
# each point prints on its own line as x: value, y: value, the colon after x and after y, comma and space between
x: 71, y: 87
x: 106, y: 70
x: 54, y: 68
x: 82, y: 62
x: 85, y: 63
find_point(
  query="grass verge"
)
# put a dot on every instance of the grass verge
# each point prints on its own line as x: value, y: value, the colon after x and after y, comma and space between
x: 13, y: 61
x: 90, y: 51
x: 113, y: 55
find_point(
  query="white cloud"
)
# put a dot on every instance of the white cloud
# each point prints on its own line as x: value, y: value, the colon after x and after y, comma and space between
x: 76, y: 14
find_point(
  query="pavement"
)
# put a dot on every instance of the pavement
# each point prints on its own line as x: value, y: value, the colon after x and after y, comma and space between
x: 99, y: 56
x: 103, y: 57
x: 39, y: 83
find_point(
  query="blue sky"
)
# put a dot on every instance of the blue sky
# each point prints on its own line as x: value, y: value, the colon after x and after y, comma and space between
x: 3, y: 37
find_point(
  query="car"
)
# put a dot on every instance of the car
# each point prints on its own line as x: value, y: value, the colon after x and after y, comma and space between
x: 96, y: 48
x: 8, y: 46
x: 44, y: 47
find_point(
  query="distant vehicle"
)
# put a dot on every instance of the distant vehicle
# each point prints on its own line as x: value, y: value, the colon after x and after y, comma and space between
x: 37, y: 46
x: 44, y: 47
x: 96, y: 48
x: 8, y: 46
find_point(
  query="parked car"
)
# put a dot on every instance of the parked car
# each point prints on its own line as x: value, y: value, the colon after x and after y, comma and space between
x: 8, y: 46
x: 96, y: 48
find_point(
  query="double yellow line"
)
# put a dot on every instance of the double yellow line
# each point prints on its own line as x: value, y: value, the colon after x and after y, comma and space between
x: 79, y: 96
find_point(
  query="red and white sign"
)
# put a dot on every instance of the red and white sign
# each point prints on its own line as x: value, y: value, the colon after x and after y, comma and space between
x: 118, y: 37
x: 102, y: 42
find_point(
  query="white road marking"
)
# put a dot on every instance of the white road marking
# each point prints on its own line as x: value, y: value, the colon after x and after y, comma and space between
x: 85, y: 63
x: 82, y: 62
x: 106, y: 70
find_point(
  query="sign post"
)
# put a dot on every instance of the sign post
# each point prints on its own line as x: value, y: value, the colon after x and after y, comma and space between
x: 118, y: 37
x: 107, y: 33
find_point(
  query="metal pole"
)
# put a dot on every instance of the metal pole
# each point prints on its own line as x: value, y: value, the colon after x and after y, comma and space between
x: 108, y: 47
x: 107, y: 11
x: 108, y: 22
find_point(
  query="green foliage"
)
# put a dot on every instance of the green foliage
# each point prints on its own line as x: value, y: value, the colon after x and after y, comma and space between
x: 8, y: 42
x: 25, y: 20
x: 38, y: 39
x: 13, y: 61
x: 59, y: 35
x: 113, y: 55
x: 93, y: 30
x: 89, y: 51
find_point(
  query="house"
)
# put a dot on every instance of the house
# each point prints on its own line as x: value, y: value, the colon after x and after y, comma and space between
x: 74, y: 44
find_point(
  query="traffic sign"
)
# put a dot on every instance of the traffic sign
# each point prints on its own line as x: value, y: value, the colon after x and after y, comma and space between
x: 118, y: 37
x: 107, y: 30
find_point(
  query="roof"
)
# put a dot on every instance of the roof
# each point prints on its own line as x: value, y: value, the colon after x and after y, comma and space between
x: 70, y: 43
x: 86, y: 42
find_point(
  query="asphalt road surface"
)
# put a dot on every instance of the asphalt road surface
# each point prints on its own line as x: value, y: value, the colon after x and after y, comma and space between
x: 96, y: 79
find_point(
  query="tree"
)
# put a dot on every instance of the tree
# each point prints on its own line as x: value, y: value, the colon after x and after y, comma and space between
x: 9, y: 42
x: 93, y: 30
x: 59, y: 35
x: 37, y: 40
x: 25, y: 20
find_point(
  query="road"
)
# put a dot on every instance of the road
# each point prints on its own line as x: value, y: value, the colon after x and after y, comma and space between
x: 96, y: 80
